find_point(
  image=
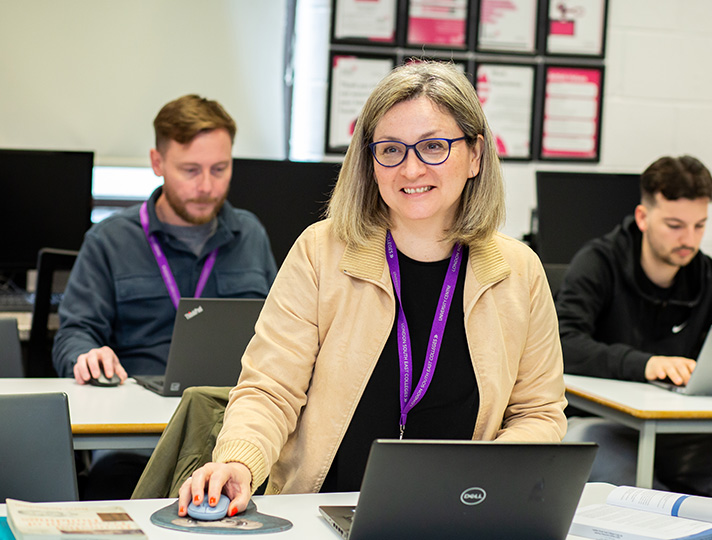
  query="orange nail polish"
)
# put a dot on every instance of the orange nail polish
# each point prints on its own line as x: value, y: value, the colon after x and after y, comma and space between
x: 181, y: 510
x: 233, y: 511
x: 196, y: 500
x: 212, y: 501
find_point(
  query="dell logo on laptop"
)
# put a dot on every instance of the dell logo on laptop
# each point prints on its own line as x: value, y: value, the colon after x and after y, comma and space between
x: 473, y: 496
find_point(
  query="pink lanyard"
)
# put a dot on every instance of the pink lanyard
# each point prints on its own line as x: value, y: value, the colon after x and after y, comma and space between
x: 165, y: 268
x: 407, y: 402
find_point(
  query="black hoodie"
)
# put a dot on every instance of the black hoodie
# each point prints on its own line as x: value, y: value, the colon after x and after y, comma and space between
x: 612, y: 318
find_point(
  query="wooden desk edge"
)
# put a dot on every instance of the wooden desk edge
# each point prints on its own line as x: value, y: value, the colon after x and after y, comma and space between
x: 114, y: 429
x: 637, y: 413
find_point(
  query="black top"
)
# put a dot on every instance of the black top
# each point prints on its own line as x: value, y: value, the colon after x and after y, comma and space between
x: 612, y: 318
x: 447, y: 410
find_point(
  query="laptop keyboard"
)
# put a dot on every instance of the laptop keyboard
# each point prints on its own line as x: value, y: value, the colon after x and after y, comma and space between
x: 16, y: 301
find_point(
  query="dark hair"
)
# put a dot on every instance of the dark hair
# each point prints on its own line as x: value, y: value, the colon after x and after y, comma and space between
x: 182, y: 119
x: 675, y: 178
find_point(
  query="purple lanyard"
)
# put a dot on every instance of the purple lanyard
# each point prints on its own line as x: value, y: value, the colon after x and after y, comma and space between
x: 407, y: 402
x: 165, y: 269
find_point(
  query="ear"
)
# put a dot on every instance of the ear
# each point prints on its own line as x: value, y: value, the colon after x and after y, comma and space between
x: 156, y: 162
x: 476, y: 156
x: 641, y: 217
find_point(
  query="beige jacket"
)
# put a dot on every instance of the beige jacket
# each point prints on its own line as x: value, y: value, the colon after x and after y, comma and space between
x: 322, y: 330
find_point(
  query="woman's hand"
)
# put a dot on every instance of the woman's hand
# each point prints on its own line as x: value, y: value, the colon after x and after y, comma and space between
x: 212, y: 479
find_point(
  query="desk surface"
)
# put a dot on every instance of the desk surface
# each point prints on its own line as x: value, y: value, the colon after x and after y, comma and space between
x: 301, y: 510
x: 121, y: 411
x: 640, y: 400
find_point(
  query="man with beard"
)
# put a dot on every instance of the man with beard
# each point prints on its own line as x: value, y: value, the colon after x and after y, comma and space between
x: 186, y: 240
x: 636, y: 305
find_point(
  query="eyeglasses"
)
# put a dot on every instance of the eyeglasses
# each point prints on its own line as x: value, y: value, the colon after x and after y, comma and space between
x: 429, y: 151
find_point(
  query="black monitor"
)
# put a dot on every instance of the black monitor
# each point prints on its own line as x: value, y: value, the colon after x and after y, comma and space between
x: 287, y: 196
x: 46, y: 202
x: 574, y: 207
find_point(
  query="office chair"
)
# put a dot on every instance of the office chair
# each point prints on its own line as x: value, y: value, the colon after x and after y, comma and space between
x: 10, y: 350
x: 555, y: 275
x: 36, y: 451
x: 50, y: 262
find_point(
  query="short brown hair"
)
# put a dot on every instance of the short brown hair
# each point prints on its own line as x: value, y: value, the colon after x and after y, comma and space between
x: 675, y: 178
x: 182, y: 119
x: 356, y: 207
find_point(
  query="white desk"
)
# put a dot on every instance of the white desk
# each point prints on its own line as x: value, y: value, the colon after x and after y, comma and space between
x: 645, y: 407
x: 125, y: 416
x: 301, y: 510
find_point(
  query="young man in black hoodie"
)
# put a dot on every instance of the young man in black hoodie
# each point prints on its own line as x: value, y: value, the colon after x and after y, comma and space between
x: 636, y: 304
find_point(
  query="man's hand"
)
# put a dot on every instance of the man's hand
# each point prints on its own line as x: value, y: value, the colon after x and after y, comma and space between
x: 89, y: 365
x: 233, y: 479
x: 676, y: 368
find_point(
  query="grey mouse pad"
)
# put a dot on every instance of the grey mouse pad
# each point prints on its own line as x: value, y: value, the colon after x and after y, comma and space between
x: 248, y: 522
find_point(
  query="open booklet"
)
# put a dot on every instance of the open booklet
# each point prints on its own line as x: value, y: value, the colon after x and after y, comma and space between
x: 30, y: 521
x: 631, y: 513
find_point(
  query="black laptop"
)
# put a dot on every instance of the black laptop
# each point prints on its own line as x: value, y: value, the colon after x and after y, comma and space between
x: 421, y: 489
x: 209, y: 337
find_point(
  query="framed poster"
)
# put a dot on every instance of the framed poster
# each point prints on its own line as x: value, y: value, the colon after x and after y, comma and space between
x: 506, y: 92
x: 571, y: 122
x: 351, y: 80
x: 364, y: 21
x: 576, y: 27
x: 440, y: 23
x: 508, y: 27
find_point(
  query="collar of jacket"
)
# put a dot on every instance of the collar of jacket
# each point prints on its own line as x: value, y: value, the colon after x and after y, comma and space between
x: 369, y: 260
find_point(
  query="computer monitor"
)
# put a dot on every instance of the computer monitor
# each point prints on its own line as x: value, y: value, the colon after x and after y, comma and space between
x: 46, y: 202
x: 574, y: 207
x: 287, y: 196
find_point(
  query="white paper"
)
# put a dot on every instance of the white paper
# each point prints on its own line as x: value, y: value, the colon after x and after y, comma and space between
x: 506, y: 94
x: 508, y: 26
x: 576, y: 27
x: 369, y: 19
x: 352, y: 81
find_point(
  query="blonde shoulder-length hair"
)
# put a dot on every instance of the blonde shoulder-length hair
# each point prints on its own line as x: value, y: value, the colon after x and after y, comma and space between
x: 356, y: 208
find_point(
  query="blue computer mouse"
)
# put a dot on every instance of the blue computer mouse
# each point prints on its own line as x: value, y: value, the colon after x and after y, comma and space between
x: 205, y: 512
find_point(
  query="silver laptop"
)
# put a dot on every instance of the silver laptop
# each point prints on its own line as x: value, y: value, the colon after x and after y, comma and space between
x: 463, y: 489
x: 209, y: 337
x: 700, y: 383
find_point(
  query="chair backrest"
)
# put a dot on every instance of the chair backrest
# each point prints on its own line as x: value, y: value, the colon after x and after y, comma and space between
x: 555, y: 275
x: 39, y: 349
x: 36, y: 451
x: 10, y: 350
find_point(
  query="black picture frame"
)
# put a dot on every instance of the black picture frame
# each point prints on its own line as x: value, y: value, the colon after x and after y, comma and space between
x: 511, y: 45
x: 565, y: 118
x: 467, y: 30
x: 359, y: 36
x: 347, y: 105
x: 507, y: 112
x: 579, y: 31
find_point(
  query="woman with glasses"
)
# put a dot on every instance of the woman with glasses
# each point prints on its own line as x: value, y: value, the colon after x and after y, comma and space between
x: 404, y: 314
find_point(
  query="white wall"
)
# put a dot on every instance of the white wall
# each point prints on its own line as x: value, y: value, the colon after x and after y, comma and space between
x: 657, y: 94
x: 92, y: 74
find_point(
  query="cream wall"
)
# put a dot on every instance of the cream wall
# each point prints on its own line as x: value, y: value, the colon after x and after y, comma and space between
x: 92, y: 74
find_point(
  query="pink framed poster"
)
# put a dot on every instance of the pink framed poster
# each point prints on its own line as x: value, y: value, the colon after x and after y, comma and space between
x: 506, y: 93
x: 571, y: 123
x: 351, y: 80
x: 441, y: 23
x: 364, y: 21
x: 576, y: 27
x: 509, y: 26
